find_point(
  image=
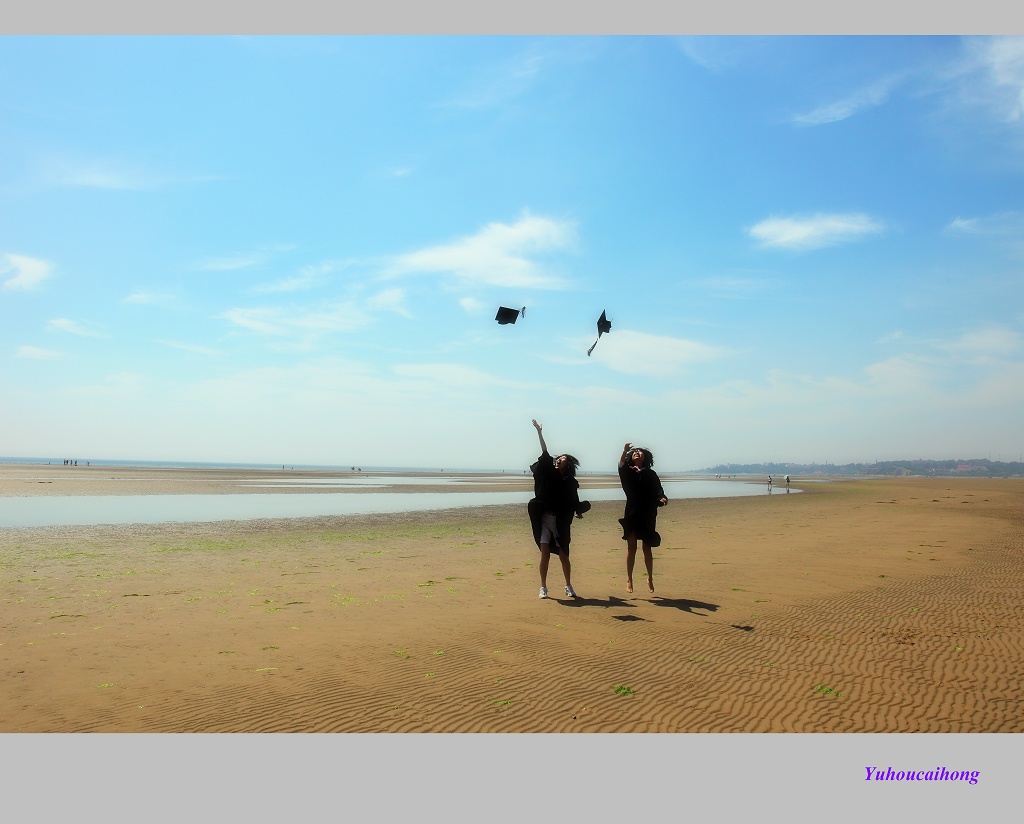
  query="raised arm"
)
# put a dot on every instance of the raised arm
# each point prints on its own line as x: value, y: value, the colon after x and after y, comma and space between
x: 624, y: 458
x: 540, y: 434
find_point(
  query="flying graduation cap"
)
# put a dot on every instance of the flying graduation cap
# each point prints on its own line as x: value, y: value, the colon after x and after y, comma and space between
x: 603, y: 325
x: 506, y: 315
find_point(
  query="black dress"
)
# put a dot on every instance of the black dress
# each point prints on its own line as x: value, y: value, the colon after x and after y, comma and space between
x: 643, y: 497
x: 558, y: 494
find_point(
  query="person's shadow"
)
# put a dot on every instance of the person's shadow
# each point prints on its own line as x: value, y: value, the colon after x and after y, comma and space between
x: 684, y: 604
x: 606, y: 603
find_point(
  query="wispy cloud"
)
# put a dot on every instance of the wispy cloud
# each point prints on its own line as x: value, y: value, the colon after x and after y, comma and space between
x: 983, y: 345
x: 499, y: 85
x: 26, y: 273
x: 472, y: 305
x: 735, y: 287
x: 1004, y: 224
x: 453, y: 375
x: 297, y: 283
x: 716, y: 53
x: 866, y: 98
x: 801, y: 233
x: 242, y: 260
x: 392, y: 300
x: 500, y: 254
x: 262, y: 320
x: 189, y: 347
x: 37, y: 353
x: 66, y: 325
x: 114, y: 174
x: 307, y: 278
x: 1004, y: 230
x: 149, y: 298
x: 632, y: 352
x: 342, y: 316
x: 231, y: 262
x: 998, y: 63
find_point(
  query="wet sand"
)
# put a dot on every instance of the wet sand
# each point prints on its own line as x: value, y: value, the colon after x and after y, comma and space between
x: 857, y: 606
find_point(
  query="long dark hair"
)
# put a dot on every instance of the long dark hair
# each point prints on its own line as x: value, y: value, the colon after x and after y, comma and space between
x: 648, y: 456
x: 571, y: 464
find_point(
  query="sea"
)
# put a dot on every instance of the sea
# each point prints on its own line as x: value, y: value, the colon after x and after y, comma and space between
x: 330, y: 495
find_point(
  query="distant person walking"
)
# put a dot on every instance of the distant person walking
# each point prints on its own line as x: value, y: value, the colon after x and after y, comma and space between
x: 644, y: 494
x: 555, y: 501
x: 769, y: 483
x: 787, y: 483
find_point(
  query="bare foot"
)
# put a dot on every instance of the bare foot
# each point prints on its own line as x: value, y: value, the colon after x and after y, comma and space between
x: 629, y: 586
x: 650, y: 585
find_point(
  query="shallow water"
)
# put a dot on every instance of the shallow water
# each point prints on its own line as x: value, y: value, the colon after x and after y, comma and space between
x: 93, y: 510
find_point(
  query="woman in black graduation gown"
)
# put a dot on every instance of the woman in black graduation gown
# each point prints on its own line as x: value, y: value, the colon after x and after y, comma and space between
x: 555, y: 501
x: 644, y: 494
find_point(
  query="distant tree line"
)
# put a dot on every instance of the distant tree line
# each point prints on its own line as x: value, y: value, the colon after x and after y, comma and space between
x: 975, y: 467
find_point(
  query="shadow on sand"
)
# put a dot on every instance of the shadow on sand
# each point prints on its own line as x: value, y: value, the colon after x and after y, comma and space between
x: 610, y: 601
x: 684, y: 604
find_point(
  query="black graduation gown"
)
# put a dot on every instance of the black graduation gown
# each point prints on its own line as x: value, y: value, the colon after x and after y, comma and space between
x: 643, y: 494
x: 555, y: 493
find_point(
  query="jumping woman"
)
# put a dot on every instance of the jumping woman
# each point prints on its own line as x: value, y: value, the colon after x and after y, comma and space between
x: 644, y: 494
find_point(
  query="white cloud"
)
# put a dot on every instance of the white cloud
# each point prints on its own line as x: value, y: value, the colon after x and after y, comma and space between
x: 99, y: 177
x: 66, y: 325
x: 866, y: 98
x: 37, y: 353
x: 28, y: 273
x: 392, y: 300
x: 641, y: 353
x: 113, y: 174
x: 307, y: 278
x: 1003, y: 224
x: 453, y: 375
x: 1000, y: 61
x: 993, y: 342
x: 716, y: 53
x: 336, y: 317
x: 606, y: 397
x: 149, y: 298
x: 735, y: 287
x: 188, y: 347
x: 264, y: 321
x: 501, y: 85
x: 292, y: 284
x: 813, y: 231
x: 242, y: 260
x: 472, y: 306
x: 500, y: 254
x: 230, y: 263
x: 896, y: 376
x: 966, y: 225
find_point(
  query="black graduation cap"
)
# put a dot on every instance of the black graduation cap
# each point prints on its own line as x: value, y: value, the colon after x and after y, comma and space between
x: 603, y: 325
x: 506, y: 315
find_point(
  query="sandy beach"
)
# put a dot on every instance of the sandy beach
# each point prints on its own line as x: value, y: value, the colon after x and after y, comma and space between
x: 855, y: 606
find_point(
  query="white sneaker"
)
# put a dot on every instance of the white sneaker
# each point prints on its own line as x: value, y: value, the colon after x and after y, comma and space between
x: 570, y: 591
x: 543, y: 592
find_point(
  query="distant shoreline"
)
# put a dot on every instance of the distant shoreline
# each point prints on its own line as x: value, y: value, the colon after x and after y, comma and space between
x: 916, y: 468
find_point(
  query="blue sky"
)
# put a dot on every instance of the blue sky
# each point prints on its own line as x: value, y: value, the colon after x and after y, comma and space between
x: 291, y: 249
